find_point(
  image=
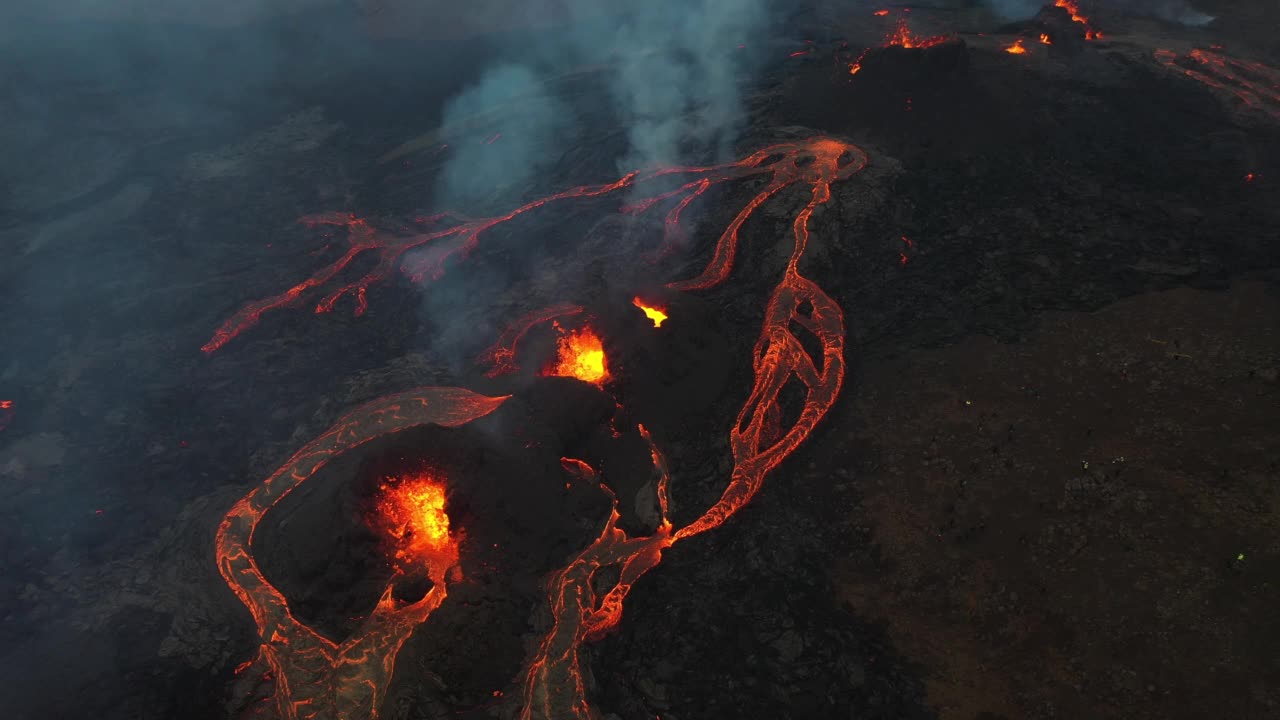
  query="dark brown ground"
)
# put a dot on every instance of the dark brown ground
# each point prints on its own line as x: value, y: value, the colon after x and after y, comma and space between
x: 1082, y: 524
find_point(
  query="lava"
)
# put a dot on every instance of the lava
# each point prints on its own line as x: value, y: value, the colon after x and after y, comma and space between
x: 6, y: 413
x: 656, y: 314
x: 581, y: 356
x: 313, y: 676
x: 902, y: 37
x: 501, y: 356
x: 1254, y: 85
x: 457, y: 240
x: 1073, y: 7
x: 1044, y: 39
x: 554, y: 688
x: 1016, y: 48
x: 411, y: 512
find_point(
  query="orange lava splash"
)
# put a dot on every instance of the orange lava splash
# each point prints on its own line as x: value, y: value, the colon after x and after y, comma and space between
x: 581, y: 356
x: 1073, y: 7
x: 314, y: 676
x: 1016, y: 48
x: 1044, y: 39
x: 1252, y: 84
x: 411, y: 512
x: 657, y: 315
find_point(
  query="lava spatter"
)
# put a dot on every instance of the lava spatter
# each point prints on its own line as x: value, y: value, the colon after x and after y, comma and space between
x: 655, y: 314
x: 315, y: 677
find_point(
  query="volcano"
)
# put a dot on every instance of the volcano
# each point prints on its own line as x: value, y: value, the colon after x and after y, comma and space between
x: 847, y: 361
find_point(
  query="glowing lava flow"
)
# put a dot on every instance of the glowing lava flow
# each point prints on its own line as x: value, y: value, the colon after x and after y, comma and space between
x: 411, y: 512
x: 314, y: 676
x: 554, y: 688
x: 502, y: 354
x: 1073, y: 7
x: 1016, y: 48
x: 657, y: 315
x: 902, y: 37
x: 1255, y: 85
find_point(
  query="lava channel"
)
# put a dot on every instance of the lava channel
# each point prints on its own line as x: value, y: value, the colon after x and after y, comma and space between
x: 315, y: 677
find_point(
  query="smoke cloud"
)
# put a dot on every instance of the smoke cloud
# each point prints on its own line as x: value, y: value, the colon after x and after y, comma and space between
x: 671, y: 73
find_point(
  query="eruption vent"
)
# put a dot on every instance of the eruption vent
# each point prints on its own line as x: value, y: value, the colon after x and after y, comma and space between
x: 657, y: 315
x: 411, y: 512
x: 581, y: 356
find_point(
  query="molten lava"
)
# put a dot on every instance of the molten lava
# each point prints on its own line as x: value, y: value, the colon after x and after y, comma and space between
x: 902, y: 37
x: 6, y: 413
x: 1016, y: 48
x: 411, y: 512
x: 1044, y: 39
x: 657, y: 315
x: 1073, y: 7
x: 581, y: 356
x: 501, y: 356
x: 313, y: 676
x: 1254, y: 85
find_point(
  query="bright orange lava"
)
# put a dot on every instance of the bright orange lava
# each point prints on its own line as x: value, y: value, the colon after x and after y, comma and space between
x: 657, y: 315
x: 1073, y: 7
x: 411, y: 512
x: 581, y: 356
x: 1016, y: 48
x: 1044, y: 39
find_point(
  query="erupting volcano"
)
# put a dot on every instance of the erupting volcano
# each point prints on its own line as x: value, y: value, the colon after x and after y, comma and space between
x: 316, y: 677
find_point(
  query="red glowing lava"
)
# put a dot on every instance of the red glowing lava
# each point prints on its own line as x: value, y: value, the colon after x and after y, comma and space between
x: 580, y: 354
x: 6, y: 413
x: 1254, y: 85
x: 313, y: 676
x: 1073, y: 7
x: 655, y: 314
x: 1016, y: 48
x: 880, y: 13
x: 1044, y: 39
x: 902, y: 37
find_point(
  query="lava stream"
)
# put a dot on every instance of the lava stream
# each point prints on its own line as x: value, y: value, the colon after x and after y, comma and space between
x: 655, y: 314
x: 314, y: 676
x: 456, y: 241
x: 1255, y: 85
x: 554, y: 688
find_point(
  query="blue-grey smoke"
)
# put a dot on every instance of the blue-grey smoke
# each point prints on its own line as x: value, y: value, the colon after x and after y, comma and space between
x: 672, y: 69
